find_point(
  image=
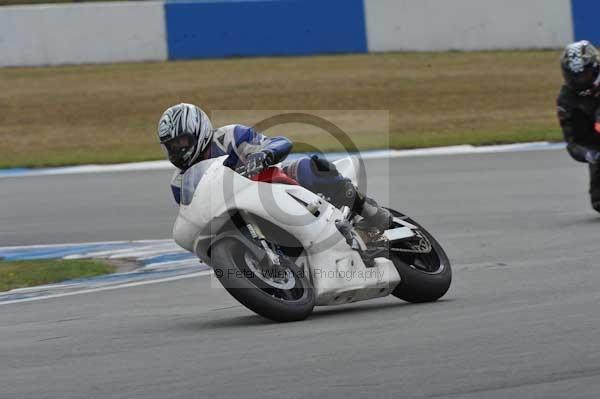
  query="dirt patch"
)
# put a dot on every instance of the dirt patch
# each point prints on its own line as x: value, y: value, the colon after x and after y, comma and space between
x: 123, y: 265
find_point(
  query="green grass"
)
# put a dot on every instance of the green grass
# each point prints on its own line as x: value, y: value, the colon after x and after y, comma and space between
x: 20, y: 274
x: 56, y: 116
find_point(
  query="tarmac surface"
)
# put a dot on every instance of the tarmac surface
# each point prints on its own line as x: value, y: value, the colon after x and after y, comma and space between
x: 522, y: 318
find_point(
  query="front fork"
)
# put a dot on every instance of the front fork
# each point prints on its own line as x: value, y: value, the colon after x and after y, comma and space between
x: 257, y: 234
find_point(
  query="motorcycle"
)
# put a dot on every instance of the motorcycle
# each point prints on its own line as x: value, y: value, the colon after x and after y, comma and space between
x: 280, y: 249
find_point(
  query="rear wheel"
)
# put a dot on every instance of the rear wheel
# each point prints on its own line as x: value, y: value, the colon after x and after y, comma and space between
x: 281, y: 294
x: 423, y: 266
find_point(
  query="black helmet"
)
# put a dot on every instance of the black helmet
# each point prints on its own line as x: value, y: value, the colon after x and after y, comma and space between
x: 185, y: 132
x: 580, y: 64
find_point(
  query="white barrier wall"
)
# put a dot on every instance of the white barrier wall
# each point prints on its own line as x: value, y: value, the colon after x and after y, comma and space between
x: 432, y: 25
x: 155, y: 30
x: 82, y: 33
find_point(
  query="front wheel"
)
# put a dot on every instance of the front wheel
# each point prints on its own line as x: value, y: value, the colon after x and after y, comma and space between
x: 283, y: 294
x: 424, y: 267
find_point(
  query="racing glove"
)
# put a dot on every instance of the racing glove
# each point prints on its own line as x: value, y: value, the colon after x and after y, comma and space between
x: 258, y: 161
x: 592, y: 157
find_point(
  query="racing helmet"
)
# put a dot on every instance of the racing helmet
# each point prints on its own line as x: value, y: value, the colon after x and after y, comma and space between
x: 185, y: 132
x: 580, y: 64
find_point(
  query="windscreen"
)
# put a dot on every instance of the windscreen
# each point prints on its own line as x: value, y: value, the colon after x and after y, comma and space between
x: 191, y: 179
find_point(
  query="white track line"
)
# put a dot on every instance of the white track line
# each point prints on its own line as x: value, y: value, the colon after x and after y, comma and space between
x: 77, y: 244
x: 109, y: 288
x: 469, y: 149
x: 92, y: 243
x: 377, y: 154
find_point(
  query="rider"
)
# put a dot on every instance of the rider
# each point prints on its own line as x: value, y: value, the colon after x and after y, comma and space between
x: 579, y: 109
x: 188, y: 137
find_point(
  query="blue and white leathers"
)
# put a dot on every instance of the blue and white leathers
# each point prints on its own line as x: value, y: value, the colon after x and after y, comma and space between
x: 237, y: 142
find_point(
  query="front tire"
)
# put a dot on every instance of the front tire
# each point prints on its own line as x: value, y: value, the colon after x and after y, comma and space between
x: 290, y: 297
x: 425, y: 277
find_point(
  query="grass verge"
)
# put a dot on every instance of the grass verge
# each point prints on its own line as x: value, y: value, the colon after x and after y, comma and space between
x: 21, y: 274
x: 108, y: 113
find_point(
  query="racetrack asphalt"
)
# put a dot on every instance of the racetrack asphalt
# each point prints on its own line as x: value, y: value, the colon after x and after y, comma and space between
x: 522, y: 318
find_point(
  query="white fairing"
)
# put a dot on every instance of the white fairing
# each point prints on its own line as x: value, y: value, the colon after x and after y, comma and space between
x: 337, y: 272
x: 349, y: 167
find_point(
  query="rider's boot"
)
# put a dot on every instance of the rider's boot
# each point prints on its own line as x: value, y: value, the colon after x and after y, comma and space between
x: 595, y: 186
x: 596, y: 201
x: 374, y: 215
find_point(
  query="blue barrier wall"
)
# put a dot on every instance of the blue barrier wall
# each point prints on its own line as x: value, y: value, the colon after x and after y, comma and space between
x: 585, y: 20
x: 154, y: 30
x: 245, y: 28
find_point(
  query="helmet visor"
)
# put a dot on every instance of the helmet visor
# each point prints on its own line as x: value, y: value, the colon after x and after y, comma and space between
x: 179, y: 149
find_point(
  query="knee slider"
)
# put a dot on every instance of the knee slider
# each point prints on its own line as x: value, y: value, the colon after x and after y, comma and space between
x: 346, y: 194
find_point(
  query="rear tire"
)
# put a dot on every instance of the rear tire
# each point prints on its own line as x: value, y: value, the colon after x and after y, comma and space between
x: 234, y: 262
x: 425, y: 277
